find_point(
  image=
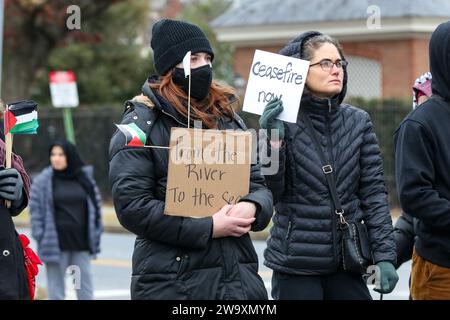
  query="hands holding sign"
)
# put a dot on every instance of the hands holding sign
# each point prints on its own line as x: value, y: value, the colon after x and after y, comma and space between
x: 234, y: 220
x: 268, y: 119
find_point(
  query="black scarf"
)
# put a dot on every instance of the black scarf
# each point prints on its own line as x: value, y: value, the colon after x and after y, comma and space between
x: 74, y: 168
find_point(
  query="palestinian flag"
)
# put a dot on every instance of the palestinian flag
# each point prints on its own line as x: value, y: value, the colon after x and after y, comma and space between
x: 134, y: 136
x: 21, y: 117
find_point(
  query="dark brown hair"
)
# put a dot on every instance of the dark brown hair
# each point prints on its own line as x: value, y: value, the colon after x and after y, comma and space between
x: 314, y: 43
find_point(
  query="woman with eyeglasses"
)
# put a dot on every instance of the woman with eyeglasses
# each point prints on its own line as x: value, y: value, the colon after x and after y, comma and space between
x: 304, y: 248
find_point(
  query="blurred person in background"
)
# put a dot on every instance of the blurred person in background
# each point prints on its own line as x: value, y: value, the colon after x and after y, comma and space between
x: 65, y: 210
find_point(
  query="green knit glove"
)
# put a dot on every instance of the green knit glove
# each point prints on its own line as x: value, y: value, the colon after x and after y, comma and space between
x: 388, y: 277
x: 267, y: 120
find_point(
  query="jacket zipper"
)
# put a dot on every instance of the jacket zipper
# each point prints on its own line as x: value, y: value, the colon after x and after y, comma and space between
x: 288, y: 230
x: 225, y: 267
x: 286, y: 238
x: 330, y: 155
x: 168, y: 114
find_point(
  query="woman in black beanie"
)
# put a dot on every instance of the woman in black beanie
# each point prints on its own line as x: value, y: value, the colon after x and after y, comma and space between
x: 178, y: 257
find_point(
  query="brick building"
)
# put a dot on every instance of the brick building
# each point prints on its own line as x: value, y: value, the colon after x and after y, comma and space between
x: 385, y: 41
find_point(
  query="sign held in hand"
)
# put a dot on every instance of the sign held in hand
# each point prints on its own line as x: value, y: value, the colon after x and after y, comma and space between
x: 275, y: 76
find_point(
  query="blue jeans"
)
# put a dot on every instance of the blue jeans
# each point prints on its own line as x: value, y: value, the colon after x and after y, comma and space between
x: 77, y: 263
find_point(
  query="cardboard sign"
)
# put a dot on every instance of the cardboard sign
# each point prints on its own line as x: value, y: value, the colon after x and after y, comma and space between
x: 274, y: 75
x: 207, y: 170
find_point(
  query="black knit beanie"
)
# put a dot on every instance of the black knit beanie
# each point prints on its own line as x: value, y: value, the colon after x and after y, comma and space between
x: 172, y: 39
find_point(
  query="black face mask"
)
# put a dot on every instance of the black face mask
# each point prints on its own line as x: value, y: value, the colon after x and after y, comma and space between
x: 201, y: 79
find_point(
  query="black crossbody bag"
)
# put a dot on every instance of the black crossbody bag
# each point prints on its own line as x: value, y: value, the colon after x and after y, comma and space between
x: 355, y: 245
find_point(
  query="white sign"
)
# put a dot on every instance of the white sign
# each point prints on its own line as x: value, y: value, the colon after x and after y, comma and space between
x: 274, y: 75
x: 63, y: 88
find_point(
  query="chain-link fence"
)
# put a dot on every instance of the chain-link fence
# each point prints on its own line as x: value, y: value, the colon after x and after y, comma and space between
x: 364, y: 78
x: 386, y: 118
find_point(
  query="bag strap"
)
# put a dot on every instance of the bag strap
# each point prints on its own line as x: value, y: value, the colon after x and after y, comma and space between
x: 327, y: 169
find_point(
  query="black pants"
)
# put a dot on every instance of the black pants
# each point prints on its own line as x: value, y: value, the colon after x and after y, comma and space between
x: 337, y: 286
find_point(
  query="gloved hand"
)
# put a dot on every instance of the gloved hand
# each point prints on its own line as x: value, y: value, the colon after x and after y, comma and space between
x: 11, y: 185
x: 388, y: 277
x: 267, y: 120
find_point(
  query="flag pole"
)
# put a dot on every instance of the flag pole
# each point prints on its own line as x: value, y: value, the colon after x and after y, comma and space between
x: 187, y: 73
x: 8, y: 146
x: 189, y: 102
x: 9, y: 142
x: 157, y: 147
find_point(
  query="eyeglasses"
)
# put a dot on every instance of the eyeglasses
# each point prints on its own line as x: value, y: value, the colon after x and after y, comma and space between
x: 327, y: 64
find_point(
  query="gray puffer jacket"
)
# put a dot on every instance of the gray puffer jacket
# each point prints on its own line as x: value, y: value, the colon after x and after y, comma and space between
x: 43, y: 216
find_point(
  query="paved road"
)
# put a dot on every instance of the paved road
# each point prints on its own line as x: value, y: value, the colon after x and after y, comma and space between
x: 112, y: 270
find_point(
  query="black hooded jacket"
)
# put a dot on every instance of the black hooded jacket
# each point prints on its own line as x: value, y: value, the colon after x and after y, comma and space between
x: 305, y: 238
x: 422, y: 158
x: 176, y: 257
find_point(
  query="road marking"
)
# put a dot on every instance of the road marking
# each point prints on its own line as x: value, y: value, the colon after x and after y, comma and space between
x: 101, y: 294
x: 112, y: 263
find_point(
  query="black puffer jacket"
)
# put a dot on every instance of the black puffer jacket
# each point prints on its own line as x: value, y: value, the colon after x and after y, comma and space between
x: 175, y: 257
x: 305, y: 238
x: 13, y: 277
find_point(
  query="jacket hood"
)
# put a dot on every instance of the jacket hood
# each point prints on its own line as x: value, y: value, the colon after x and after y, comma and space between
x: 294, y: 49
x: 439, y: 52
x: 159, y: 102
